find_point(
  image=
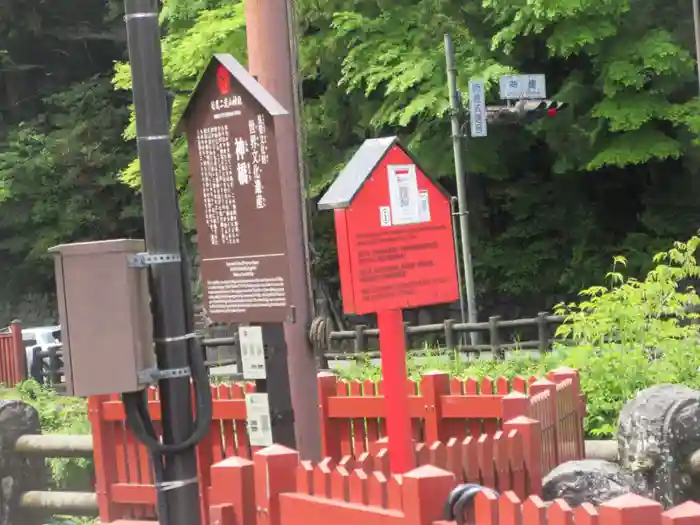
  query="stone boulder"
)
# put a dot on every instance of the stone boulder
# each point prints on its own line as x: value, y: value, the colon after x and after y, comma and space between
x: 658, y: 433
x: 590, y: 480
x: 18, y: 474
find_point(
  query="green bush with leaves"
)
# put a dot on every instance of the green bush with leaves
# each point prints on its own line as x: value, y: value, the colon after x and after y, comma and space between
x: 623, y: 337
x: 58, y: 415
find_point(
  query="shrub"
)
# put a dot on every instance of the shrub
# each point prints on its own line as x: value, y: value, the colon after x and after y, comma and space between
x: 58, y: 415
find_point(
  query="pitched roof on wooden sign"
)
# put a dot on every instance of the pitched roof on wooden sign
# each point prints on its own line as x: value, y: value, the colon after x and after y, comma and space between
x: 245, y: 79
x: 350, y: 180
x: 362, y: 164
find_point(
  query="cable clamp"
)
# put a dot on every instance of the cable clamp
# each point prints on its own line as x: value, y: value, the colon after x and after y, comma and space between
x: 144, y: 260
x: 176, y: 339
x: 165, y: 486
x: 153, y: 374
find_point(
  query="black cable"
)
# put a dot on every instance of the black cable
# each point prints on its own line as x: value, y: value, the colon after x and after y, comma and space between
x: 136, y: 403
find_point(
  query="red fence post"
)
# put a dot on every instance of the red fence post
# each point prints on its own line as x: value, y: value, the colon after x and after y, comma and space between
x: 104, y: 442
x: 559, y: 376
x: 549, y: 428
x: 687, y: 513
x: 275, y: 473
x: 19, y: 356
x: 233, y: 484
x: 630, y: 509
x: 531, y: 433
x: 433, y: 386
x: 514, y: 405
x: 425, y: 490
x: 330, y: 435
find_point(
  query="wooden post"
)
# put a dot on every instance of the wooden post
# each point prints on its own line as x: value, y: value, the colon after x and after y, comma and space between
x: 275, y: 473
x: 494, y: 337
x: 433, y: 386
x: 425, y: 492
x: 531, y: 433
x: 552, y: 443
x: 233, y: 483
x: 104, y: 442
x: 392, y: 344
x: 18, y: 353
x: 542, y: 332
x: 514, y: 405
x: 330, y: 435
x: 630, y: 509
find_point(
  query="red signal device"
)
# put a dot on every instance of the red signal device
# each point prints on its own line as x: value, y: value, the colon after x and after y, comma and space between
x: 552, y: 112
x: 396, y: 250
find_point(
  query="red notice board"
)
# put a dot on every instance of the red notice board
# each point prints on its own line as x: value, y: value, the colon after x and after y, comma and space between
x: 395, y: 240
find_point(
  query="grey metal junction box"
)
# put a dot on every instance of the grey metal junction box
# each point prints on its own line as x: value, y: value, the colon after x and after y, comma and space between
x: 106, y: 322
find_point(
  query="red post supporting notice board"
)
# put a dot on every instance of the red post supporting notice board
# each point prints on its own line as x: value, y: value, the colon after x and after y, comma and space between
x: 395, y: 250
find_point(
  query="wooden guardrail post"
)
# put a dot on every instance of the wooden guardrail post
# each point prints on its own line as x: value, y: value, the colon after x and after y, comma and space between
x: 20, y: 356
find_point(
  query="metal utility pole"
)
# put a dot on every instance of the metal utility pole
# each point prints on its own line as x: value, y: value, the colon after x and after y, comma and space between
x: 461, y: 187
x: 272, y: 60
x: 696, y: 25
x: 162, y: 226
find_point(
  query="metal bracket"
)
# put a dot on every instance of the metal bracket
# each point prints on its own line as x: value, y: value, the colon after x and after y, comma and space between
x: 153, y: 374
x: 144, y: 260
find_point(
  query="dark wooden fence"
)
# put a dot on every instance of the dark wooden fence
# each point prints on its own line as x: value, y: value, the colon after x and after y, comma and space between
x: 535, y: 333
x: 499, y: 337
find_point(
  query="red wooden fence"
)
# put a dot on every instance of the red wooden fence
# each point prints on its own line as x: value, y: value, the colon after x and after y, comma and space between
x: 13, y: 360
x: 468, y: 414
x: 276, y: 489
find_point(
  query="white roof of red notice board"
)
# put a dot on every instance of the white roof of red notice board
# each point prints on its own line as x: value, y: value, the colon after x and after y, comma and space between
x: 362, y: 164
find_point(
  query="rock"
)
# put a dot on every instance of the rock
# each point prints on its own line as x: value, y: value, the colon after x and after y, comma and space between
x: 590, y: 480
x: 657, y: 436
x: 18, y: 474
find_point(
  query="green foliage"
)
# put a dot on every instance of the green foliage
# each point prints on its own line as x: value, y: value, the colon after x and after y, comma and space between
x: 58, y: 415
x: 58, y: 174
x: 196, y: 31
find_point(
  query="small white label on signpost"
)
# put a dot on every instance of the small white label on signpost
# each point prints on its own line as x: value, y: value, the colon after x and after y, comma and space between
x: 385, y: 215
x: 250, y: 339
x: 403, y: 194
x: 424, y: 207
x: 516, y: 87
x: 477, y: 109
x: 258, y: 412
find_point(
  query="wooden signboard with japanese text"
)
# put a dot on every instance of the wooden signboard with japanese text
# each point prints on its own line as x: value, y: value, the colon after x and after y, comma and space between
x: 234, y: 165
x: 396, y: 245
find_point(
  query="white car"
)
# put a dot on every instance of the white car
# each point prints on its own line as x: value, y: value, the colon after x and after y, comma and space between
x: 38, y: 339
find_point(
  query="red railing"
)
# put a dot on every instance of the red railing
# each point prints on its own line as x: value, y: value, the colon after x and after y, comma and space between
x: 13, y: 360
x: 276, y: 489
x: 468, y: 415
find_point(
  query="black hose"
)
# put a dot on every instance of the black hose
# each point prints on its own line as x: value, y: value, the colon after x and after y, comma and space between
x: 136, y: 403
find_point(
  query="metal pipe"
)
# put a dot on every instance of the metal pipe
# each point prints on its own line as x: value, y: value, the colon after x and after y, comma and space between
x: 454, y: 207
x: 163, y: 237
x: 461, y: 188
x: 64, y: 503
x: 55, y: 445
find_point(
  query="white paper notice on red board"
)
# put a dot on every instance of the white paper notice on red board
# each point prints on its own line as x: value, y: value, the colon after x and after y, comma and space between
x: 404, y: 197
x: 424, y: 207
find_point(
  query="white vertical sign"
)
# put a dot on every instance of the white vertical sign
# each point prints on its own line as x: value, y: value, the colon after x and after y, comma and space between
x: 404, y: 197
x: 477, y: 108
x: 250, y: 339
x: 258, y: 418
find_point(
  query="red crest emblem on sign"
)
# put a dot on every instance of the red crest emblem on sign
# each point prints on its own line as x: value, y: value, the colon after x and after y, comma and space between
x: 223, y: 79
